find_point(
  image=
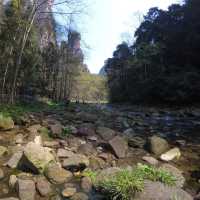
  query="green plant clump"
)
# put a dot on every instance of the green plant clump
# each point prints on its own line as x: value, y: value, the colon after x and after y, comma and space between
x: 125, y: 183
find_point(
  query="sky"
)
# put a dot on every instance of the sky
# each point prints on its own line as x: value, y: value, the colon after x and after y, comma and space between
x: 109, y: 22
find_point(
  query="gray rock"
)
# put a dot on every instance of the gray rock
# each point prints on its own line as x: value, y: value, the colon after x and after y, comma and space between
x: 43, y: 186
x: 159, y: 191
x: 26, y: 189
x: 158, y: 145
x: 56, y: 129
x: 57, y: 175
x: 119, y: 146
x: 80, y: 196
x: 63, y: 153
x: 3, y: 150
x: 68, y: 192
x: 14, y: 160
x: 75, y: 162
x: 150, y: 160
x: 87, y: 149
x: 180, y: 180
x: 10, y: 198
x: 51, y: 144
x: 86, y: 184
x: 12, y: 181
x: 136, y: 142
x: 105, y: 133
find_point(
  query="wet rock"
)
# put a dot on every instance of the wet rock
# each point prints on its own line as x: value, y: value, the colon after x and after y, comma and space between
x: 3, y: 151
x: 12, y: 181
x: 35, y: 158
x: 14, y: 160
x: 68, y: 192
x: 26, y: 189
x: 1, y: 174
x: 6, y: 123
x: 105, y: 133
x: 119, y: 146
x: 63, y: 153
x: 171, y: 154
x: 87, y: 149
x: 180, y: 180
x: 43, y: 186
x: 76, y: 162
x: 57, y: 175
x: 150, y: 160
x: 159, y: 191
x: 158, y: 145
x: 86, y: 184
x: 80, y: 196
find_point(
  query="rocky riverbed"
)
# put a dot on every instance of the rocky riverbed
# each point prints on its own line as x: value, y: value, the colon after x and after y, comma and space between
x: 43, y: 155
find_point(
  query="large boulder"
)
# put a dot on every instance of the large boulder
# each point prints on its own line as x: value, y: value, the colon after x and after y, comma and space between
x: 76, y: 162
x: 6, y: 123
x: 105, y: 133
x: 158, y: 145
x: 171, y: 154
x: 159, y: 191
x: 26, y: 189
x: 119, y: 146
x: 57, y: 175
x: 35, y: 158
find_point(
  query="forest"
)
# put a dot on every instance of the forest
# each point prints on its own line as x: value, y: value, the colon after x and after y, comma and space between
x: 162, y: 65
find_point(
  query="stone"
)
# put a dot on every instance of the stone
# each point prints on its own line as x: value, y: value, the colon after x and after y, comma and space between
x: 136, y: 142
x: 68, y: 192
x: 14, y: 160
x: 19, y: 139
x: 6, y: 123
x: 86, y: 130
x: 105, y: 133
x: 159, y: 191
x: 171, y: 154
x: 86, y: 184
x: 76, y: 162
x: 1, y: 174
x: 96, y: 163
x: 57, y: 175
x: 10, y: 198
x: 43, y: 186
x: 56, y: 129
x: 158, y: 145
x: 180, y: 180
x: 26, y: 189
x: 12, y: 181
x: 87, y: 149
x: 63, y: 153
x: 51, y: 144
x: 150, y: 160
x: 80, y: 196
x: 119, y: 146
x: 36, y: 158
x: 34, y: 129
x: 3, y: 151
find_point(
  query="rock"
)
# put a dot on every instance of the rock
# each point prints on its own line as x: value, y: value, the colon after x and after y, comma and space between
x: 51, y: 144
x: 158, y: 145
x: 38, y: 140
x: 129, y: 133
x: 56, y: 129
x: 76, y: 162
x: 3, y: 151
x: 57, y: 175
x: 87, y: 117
x: 136, y: 142
x: 19, y: 139
x: 43, y: 186
x: 34, y: 129
x: 105, y: 133
x: 80, y: 196
x: 63, y: 153
x: 12, y: 181
x: 10, y: 198
x: 68, y: 192
x: 171, y: 154
x: 26, y: 189
x: 150, y: 160
x: 36, y: 158
x: 14, y: 160
x: 6, y: 123
x: 180, y: 180
x: 96, y: 163
x: 86, y: 184
x: 159, y: 191
x: 87, y: 149
x: 119, y: 146
x: 1, y: 174
x: 86, y: 130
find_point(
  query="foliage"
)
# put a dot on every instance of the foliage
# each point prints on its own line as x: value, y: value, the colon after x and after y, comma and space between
x: 162, y: 66
x: 66, y: 132
x: 125, y: 183
x: 91, y: 174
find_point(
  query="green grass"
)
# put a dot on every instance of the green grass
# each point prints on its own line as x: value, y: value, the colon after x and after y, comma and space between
x: 91, y: 174
x: 125, y: 183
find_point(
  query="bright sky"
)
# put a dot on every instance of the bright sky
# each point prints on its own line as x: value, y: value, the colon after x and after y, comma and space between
x: 107, y: 20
